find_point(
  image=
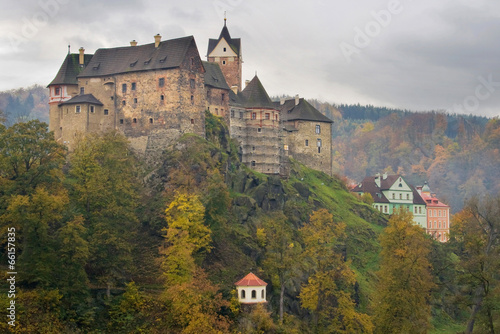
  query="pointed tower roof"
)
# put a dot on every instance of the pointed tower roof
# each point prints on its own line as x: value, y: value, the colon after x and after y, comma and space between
x: 250, y: 280
x: 234, y: 43
x: 255, y: 96
x: 302, y: 111
x: 70, y: 69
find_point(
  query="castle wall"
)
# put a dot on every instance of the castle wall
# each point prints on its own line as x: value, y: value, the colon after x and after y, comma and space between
x: 218, y: 102
x: 307, y: 153
x: 258, y: 135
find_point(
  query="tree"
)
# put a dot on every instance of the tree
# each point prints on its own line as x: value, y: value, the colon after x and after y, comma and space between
x: 402, y: 300
x: 29, y: 157
x: 328, y: 292
x: 282, y: 253
x: 104, y: 191
x: 193, y: 299
x: 476, y: 235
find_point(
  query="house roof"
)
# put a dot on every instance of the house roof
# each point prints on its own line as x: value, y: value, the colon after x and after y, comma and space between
x: 368, y: 185
x: 70, y: 69
x: 234, y: 43
x: 302, y: 111
x: 85, y: 98
x: 214, y: 76
x: 255, y: 96
x: 250, y: 280
x: 169, y: 54
x: 433, y: 201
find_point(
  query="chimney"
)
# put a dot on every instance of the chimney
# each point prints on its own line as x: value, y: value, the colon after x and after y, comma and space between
x: 133, y: 43
x: 282, y: 101
x: 157, y: 40
x: 384, y: 176
x: 377, y: 179
x: 82, y: 56
x: 234, y: 89
x: 246, y: 83
x: 297, y: 99
x: 419, y: 190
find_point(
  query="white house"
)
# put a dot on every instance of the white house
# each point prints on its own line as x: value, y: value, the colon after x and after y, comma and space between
x: 251, y: 290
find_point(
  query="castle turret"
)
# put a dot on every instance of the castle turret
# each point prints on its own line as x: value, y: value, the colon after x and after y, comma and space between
x: 226, y: 51
x: 251, y: 290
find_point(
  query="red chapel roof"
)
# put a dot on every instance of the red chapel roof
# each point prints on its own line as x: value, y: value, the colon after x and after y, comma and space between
x: 250, y: 280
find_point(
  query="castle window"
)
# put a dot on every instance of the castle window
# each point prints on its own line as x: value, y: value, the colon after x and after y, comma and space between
x: 134, y: 120
x: 123, y: 102
x: 318, y: 129
x: 191, y: 83
x: 150, y: 121
x: 223, y: 96
x: 259, y: 130
x: 106, y: 112
x: 192, y: 99
x: 112, y: 98
x: 285, y: 147
x: 241, y: 115
x: 124, y: 88
x: 135, y: 100
x: 319, y: 149
x: 217, y: 111
x: 133, y: 86
x: 121, y: 121
x: 307, y: 142
x: 243, y: 294
x: 262, y: 294
x: 253, y: 163
x: 232, y: 113
x: 57, y: 91
x: 82, y: 90
x: 254, y: 294
x: 78, y: 109
x: 162, y: 98
x: 319, y: 142
x: 92, y: 109
x: 161, y: 82
x: 254, y: 115
x: 224, y: 49
x: 192, y: 120
x: 223, y: 62
x: 268, y: 115
x: 253, y: 148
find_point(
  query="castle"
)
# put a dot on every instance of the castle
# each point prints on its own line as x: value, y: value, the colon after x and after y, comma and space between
x: 156, y: 92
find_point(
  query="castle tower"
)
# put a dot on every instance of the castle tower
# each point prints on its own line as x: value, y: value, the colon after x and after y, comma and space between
x: 226, y: 51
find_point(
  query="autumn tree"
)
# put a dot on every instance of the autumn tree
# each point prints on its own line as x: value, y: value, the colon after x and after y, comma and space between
x: 328, y: 292
x: 194, y: 301
x: 282, y: 256
x: 402, y: 300
x: 475, y: 234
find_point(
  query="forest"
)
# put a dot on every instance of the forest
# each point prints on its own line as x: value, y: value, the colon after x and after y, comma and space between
x: 105, y: 242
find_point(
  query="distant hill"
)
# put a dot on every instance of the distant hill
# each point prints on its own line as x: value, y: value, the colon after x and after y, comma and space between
x: 457, y: 154
x: 24, y: 104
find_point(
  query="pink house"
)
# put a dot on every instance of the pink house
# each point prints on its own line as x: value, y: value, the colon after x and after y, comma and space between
x: 438, y: 215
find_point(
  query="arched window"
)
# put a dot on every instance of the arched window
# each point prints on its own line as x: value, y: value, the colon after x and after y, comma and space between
x: 243, y: 294
x: 254, y: 294
x: 262, y: 294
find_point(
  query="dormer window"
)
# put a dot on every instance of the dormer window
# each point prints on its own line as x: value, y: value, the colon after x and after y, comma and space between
x: 164, y: 59
x: 147, y: 61
x: 133, y: 64
x: 96, y: 67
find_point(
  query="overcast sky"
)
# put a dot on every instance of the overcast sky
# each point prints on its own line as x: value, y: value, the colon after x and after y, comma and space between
x: 419, y: 55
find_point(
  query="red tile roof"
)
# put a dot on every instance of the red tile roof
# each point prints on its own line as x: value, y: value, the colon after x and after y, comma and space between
x: 250, y: 280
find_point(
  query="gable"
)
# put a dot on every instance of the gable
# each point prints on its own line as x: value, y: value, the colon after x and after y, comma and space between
x: 218, y: 51
x: 400, y: 185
